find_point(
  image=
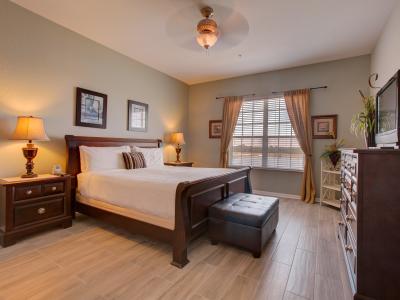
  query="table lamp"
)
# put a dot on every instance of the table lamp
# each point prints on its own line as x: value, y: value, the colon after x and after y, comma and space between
x: 178, y: 139
x: 31, y: 129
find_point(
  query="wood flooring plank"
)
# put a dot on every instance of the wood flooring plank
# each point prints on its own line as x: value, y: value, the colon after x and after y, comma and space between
x: 291, y: 296
x: 327, y: 288
x: 273, y: 282
x: 242, y: 288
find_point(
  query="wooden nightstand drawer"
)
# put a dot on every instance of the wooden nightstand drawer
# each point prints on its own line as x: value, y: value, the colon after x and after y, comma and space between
x: 28, y: 205
x: 38, y: 211
x: 27, y: 192
x: 53, y: 188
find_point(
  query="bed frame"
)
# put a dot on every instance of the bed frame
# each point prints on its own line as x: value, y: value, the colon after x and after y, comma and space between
x: 191, y: 205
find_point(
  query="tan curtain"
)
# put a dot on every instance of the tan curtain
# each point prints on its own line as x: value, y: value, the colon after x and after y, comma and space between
x: 297, y: 103
x: 230, y: 115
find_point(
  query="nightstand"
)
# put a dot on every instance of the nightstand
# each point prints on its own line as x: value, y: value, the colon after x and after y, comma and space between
x: 28, y: 205
x: 179, y: 164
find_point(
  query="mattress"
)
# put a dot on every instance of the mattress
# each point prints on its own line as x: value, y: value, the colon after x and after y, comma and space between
x: 146, y: 194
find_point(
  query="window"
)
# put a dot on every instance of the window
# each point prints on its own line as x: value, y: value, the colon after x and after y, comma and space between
x: 264, y: 137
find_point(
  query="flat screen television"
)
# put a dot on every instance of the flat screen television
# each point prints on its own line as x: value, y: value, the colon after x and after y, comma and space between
x: 387, y: 113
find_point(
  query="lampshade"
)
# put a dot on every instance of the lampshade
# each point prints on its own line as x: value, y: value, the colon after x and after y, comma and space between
x: 30, y: 128
x: 177, y: 138
x: 207, y: 39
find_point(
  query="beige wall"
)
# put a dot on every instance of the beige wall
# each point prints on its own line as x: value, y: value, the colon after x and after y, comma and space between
x: 385, y: 59
x: 343, y: 78
x: 42, y: 63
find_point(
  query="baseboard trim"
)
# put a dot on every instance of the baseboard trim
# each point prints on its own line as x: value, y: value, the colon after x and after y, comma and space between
x: 280, y: 195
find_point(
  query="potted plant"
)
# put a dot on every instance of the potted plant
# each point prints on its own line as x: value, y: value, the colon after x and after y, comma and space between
x: 332, y: 152
x: 364, y: 122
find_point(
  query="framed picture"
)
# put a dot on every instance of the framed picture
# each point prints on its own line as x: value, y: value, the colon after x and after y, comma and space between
x: 91, y: 109
x: 214, y: 129
x: 324, y: 127
x: 137, y: 116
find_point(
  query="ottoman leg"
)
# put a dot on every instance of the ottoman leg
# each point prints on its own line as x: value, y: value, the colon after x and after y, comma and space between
x: 257, y: 254
x: 214, y: 242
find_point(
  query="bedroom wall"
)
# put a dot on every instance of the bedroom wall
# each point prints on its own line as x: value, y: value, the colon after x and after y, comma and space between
x: 41, y: 64
x: 343, y: 77
x: 385, y: 59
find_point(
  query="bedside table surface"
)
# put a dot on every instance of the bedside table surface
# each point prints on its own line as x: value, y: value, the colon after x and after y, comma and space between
x: 10, y: 180
x: 182, y: 163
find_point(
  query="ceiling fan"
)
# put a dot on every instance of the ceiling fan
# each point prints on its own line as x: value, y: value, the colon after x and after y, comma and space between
x: 221, y: 27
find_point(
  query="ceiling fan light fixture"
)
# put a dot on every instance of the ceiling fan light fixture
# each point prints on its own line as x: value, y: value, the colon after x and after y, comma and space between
x: 207, y: 39
x: 207, y: 29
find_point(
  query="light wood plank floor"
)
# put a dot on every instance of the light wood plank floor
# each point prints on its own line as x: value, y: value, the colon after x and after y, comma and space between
x: 93, y: 261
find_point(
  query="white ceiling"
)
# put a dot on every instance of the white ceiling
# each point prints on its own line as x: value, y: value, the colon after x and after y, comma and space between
x: 279, y: 33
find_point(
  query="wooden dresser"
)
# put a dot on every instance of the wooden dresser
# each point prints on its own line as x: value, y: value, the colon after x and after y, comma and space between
x: 30, y: 205
x: 369, y: 229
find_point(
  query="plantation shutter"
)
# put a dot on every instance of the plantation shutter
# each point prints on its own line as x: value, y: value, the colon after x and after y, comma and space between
x: 264, y: 137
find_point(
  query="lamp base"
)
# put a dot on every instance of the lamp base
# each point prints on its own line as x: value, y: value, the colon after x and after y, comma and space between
x: 32, y: 175
x: 178, y: 154
x: 29, y: 152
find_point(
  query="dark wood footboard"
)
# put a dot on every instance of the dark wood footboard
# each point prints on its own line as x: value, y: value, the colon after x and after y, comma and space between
x: 191, y: 207
x: 192, y: 198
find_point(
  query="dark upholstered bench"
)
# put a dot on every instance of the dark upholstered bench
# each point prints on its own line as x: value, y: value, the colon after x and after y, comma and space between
x: 244, y: 220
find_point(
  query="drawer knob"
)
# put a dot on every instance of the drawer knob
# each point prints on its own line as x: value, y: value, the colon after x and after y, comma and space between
x: 41, y: 211
x: 340, y: 223
x: 349, y: 218
x: 54, y: 188
x: 29, y: 192
x: 348, y: 248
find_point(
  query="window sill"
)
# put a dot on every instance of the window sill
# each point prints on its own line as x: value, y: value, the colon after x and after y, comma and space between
x: 268, y: 169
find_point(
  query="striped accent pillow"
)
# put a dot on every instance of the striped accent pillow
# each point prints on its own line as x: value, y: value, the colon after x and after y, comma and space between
x: 134, y: 160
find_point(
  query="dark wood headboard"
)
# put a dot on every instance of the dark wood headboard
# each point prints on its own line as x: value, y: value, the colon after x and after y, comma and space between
x: 73, y: 142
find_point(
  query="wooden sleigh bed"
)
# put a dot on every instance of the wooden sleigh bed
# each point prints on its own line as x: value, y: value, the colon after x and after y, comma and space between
x: 192, y: 199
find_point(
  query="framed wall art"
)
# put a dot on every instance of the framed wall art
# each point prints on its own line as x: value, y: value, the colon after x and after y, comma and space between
x: 324, y: 127
x: 214, y: 129
x: 91, y: 109
x: 137, y: 116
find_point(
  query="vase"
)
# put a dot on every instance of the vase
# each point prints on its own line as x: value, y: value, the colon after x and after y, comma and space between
x: 369, y: 140
x: 334, y: 157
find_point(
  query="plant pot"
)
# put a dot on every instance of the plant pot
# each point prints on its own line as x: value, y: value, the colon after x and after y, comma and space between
x: 334, y: 157
x: 369, y: 140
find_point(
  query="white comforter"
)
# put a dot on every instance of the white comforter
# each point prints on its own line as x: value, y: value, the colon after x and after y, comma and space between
x: 149, y: 190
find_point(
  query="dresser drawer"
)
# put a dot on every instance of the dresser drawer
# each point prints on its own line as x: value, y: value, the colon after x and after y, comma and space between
x: 28, y: 191
x: 38, y: 211
x: 53, y: 188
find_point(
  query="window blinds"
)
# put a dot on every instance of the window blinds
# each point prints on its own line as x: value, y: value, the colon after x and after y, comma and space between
x: 264, y: 137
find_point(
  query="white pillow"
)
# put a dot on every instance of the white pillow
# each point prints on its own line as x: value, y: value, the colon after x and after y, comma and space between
x: 102, y: 158
x: 154, y: 157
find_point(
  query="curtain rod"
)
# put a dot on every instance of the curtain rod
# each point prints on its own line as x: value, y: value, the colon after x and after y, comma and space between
x: 252, y: 95
x: 248, y: 95
x: 313, y: 88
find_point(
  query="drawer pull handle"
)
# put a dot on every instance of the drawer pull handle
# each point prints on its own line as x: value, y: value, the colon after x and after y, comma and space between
x: 349, y: 218
x: 348, y: 248
x: 340, y: 223
x: 54, y: 188
x: 29, y: 192
x: 41, y: 211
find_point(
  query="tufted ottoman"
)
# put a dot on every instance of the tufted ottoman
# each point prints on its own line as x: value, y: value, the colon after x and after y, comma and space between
x: 244, y: 220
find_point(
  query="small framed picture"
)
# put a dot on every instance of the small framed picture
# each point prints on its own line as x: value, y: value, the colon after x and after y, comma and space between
x: 137, y: 116
x: 214, y: 129
x: 91, y: 109
x: 324, y: 127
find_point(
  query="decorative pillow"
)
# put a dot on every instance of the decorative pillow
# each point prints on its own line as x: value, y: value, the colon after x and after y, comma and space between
x: 154, y: 157
x: 102, y: 158
x: 134, y: 160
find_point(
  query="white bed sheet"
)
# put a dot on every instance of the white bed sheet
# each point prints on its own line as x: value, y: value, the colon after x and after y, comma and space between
x: 146, y: 192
